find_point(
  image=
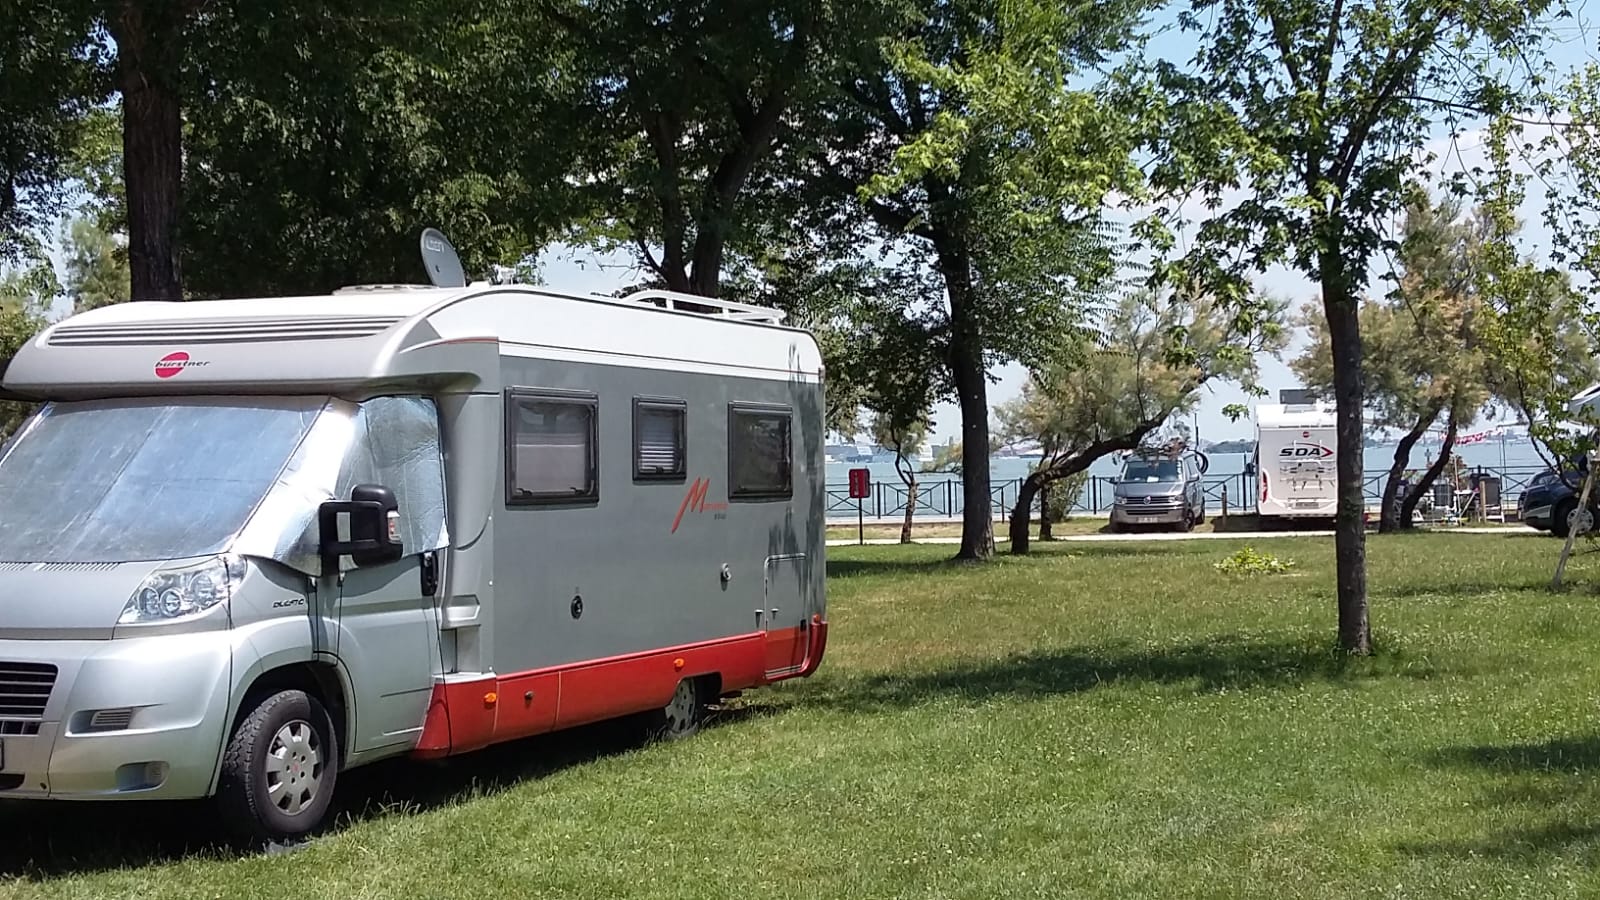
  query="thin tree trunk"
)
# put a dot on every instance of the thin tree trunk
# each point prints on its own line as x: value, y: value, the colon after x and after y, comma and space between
x: 1350, y: 536
x: 1046, y: 531
x: 148, y: 51
x: 1022, y: 514
x: 1389, y: 517
x: 911, y: 510
x: 909, y: 477
x: 1408, y: 507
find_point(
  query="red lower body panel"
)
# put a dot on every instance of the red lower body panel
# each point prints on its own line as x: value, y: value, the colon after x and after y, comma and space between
x: 470, y: 714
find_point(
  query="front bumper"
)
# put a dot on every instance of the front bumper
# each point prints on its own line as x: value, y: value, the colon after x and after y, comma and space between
x: 1540, y: 516
x: 1136, y: 515
x: 177, y: 688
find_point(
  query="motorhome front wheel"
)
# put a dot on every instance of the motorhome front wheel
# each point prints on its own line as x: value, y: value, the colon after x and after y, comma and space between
x: 279, y: 772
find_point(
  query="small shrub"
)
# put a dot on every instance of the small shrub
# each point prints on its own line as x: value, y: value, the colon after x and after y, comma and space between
x: 1249, y: 561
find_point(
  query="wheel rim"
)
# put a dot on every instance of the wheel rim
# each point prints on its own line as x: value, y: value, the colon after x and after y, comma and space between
x: 294, y: 767
x: 1580, y: 521
x: 680, y: 710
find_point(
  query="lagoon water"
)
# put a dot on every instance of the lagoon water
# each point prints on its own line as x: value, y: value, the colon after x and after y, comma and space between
x: 1515, y: 455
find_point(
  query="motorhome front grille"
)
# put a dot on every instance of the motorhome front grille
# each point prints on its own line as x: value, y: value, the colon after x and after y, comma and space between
x: 25, y: 689
x: 18, y: 728
x: 56, y: 567
x: 229, y: 331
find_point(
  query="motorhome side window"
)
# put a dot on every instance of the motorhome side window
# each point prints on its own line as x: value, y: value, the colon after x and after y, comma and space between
x: 759, y: 454
x: 551, y: 453
x: 659, y: 445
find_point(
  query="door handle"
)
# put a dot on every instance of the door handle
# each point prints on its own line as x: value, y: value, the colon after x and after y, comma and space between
x: 428, y: 568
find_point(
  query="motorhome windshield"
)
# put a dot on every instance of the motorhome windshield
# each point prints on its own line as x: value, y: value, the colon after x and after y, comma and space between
x: 1149, y: 470
x: 132, y: 480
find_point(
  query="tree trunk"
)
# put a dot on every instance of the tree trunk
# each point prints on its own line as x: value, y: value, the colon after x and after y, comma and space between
x: 1046, y: 532
x: 1022, y: 514
x: 1408, y: 507
x: 148, y: 49
x: 1389, y: 517
x: 972, y: 391
x: 911, y: 510
x: 1350, y: 535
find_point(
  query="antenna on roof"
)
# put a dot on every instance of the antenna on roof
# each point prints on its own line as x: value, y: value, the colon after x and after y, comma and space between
x: 440, y: 259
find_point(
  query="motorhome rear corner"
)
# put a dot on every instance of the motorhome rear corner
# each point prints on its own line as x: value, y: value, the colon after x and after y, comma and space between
x: 602, y: 507
x: 1295, y: 462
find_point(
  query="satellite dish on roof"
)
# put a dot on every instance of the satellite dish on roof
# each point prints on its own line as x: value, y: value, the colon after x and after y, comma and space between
x: 440, y: 259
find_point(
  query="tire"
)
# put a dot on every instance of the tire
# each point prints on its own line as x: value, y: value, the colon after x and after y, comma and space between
x: 1201, y: 518
x: 684, y: 713
x: 1559, y: 524
x: 280, y: 768
x: 1187, y: 525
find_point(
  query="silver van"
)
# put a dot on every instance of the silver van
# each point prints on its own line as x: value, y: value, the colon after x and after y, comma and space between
x: 1161, y: 490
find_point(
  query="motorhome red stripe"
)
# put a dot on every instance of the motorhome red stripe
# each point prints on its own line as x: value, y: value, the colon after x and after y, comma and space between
x: 470, y: 714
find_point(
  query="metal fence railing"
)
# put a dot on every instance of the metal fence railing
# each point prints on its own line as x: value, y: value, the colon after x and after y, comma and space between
x: 943, y: 498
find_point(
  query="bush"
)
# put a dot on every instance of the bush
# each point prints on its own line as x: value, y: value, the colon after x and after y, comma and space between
x: 1248, y: 561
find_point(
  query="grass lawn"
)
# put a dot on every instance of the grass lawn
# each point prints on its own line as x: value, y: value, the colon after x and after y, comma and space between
x: 1114, y: 720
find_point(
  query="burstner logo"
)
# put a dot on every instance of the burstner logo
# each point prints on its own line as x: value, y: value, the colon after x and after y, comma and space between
x: 173, y: 363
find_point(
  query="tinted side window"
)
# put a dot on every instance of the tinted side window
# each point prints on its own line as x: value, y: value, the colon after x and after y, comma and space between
x: 551, y: 448
x: 759, y: 454
x: 659, y: 445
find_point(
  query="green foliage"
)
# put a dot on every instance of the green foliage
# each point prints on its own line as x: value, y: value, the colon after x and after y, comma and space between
x: 1063, y: 493
x: 49, y: 82
x: 322, y: 139
x: 1159, y: 351
x: 1319, y: 112
x: 97, y: 267
x: 1546, y: 335
x: 20, y: 319
x: 96, y: 168
x: 1250, y: 561
x: 696, y: 118
x: 965, y: 143
x: 1423, y: 350
x: 946, y: 458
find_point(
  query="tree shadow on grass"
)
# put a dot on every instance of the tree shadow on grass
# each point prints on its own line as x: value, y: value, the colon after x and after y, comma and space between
x: 44, y: 841
x: 1224, y: 663
x: 850, y: 568
x: 1464, y: 588
x: 1548, y: 787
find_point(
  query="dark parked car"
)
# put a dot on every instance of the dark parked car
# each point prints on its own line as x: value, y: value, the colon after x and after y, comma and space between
x: 1550, y: 501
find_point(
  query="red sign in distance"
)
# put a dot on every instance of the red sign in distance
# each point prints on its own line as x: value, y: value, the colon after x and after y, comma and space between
x: 860, y: 484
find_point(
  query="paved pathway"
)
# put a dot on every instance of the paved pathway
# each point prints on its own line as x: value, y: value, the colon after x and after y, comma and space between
x: 1186, y: 536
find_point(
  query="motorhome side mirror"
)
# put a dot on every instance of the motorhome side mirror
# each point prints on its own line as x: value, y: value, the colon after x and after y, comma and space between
x: 372, y: 521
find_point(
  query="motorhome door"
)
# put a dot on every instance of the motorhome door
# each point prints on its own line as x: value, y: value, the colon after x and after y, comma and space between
x: 387, y: 633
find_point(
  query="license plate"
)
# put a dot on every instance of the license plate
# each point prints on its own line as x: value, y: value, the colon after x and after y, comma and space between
x: 1146, y: 520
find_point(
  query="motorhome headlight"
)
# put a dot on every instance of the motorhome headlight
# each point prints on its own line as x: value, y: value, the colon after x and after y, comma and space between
x: 175, y: 593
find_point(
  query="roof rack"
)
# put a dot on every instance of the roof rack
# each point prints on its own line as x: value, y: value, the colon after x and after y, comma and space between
x: 705, y: 306
x: 378, y: 288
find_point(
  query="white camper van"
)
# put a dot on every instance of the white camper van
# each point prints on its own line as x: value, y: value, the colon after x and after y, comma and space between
x: 1295, y: 461
x: 252, y: 543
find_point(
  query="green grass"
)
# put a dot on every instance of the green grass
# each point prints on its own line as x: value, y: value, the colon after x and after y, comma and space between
x: 1115, y: 720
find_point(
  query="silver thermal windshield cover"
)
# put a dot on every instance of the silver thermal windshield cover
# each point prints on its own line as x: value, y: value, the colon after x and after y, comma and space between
x: 392, y: 441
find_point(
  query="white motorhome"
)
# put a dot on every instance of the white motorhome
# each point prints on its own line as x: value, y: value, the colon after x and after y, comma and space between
x: 1295, y: 462
x: 252, y: 543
